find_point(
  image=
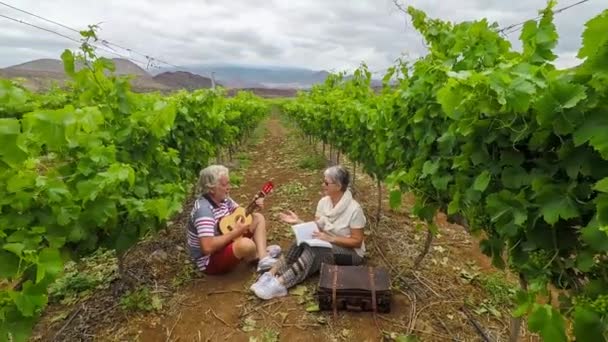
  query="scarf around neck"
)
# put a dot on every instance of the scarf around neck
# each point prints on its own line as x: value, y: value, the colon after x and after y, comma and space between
x: 329, y: 216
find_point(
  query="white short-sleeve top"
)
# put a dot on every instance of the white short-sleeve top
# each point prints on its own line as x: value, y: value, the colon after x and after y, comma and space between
x: 351, y: 218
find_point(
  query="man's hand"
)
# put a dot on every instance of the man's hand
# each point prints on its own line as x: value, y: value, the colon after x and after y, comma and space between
x: 260, y: 202
x: 240, y: 226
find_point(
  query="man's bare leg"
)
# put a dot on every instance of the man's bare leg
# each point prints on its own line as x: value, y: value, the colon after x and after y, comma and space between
x: 244, y: 249
x: 259, y: 234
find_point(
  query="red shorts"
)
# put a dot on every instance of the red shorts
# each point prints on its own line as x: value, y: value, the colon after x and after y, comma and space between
x: 224, y: 260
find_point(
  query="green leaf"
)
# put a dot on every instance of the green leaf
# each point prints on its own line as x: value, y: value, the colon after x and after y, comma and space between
x: 595, y: 237
x: 299, y: 290
x: 14, y: 247
x: 561, y: 95
x: 588, y: 326
x: 602, y: 185
x: 424, y: 211
x: 10, y: 264
x: 602, y: 209
x: 68, y: 62
x: 594, y: 36
x: 450, y: 99
x: 16, y: 326
x: 524, y: 301
x: 454, y: 206
x: 11, y: 151
x: 493, y: 248
x: 593, y: 130
x: 555, y: 204
x: 29, y: 299
x: 395, y: 198
x: 514, y: 177
x: 49, y: 263
x: 584, y: 261
x: 406, y: 338
x: 548, y: 322
x: 482, y: 181
x: 563, y: 207
x: 441, y: 182
x: 429, y: 168
x: 313, y: 308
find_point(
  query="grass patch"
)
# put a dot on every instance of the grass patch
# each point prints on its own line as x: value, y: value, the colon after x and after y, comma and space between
x: 268, y: 335
x: 292, y: 188
x: 80, y: 280
x: 257, y: 134
x: 499, y: 289
x: 236, y: 179
x: 314, y: 162
x: 141, y: 300
x: 185, y: 275
x: 244, y: 160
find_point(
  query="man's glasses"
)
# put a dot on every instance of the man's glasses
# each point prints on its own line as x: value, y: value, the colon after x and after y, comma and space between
x: 327, y: 183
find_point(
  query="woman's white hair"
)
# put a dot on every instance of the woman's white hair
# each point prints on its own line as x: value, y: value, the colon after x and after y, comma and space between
x: 209, y: 177
x: 338, y: 174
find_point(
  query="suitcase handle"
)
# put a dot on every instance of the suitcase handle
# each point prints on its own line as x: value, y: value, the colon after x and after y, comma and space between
x: 353, y: 307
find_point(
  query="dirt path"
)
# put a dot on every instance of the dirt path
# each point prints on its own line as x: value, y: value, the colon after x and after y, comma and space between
x: 222, y: 308
x: 426, y: 302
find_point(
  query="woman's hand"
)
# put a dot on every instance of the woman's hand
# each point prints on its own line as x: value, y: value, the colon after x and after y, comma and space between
x: 323, y: 236
x: 290, y: 217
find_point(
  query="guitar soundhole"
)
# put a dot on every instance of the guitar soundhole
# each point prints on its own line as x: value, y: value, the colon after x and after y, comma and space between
x: 237, y: 219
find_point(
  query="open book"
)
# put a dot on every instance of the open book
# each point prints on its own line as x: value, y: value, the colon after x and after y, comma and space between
x: 303, y: 232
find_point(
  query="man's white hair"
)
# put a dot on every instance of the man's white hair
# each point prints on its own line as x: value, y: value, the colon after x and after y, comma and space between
x: 209, y: 177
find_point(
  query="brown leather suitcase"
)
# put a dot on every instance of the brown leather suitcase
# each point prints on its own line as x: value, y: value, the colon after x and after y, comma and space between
x: 354, y: 288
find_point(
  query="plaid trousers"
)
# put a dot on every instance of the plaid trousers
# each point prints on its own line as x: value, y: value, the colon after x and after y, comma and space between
x: 302, y: 261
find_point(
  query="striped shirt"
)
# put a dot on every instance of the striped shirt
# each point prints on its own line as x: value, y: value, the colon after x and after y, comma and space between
x: 203, y: 222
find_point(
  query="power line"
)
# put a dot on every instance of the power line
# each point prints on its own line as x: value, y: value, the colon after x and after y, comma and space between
x: 511, y: 27
x: 149, y: 58
x: 39, y: 17
x: 69, y: 38
x: 40, y: 28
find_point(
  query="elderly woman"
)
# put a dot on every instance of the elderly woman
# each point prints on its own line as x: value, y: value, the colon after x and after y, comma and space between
x: 340, y: 220
x: 213, y: 252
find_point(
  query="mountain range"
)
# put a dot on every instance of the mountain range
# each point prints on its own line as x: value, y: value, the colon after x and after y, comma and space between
x: 242, y: 76
x: 41, y: 73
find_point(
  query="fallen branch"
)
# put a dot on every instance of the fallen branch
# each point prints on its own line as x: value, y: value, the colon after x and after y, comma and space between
x: 301, y: 325
x: 477, y: 326
x: 220, y: 319
x: 416, y: 330
x: 389, y: 265
x: 170, y: 332
x: 432, y: 304
x: 426, y: 285
x: 104, y: 311
x: 412, y: 311
x: 70, y: 319
x: 445, y: 327
x: 257, y: 308
x: 379, y: 208
x: 427, y: 247
x: 225, y: 291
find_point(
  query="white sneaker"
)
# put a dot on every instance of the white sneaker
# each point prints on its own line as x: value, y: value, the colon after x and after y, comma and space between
x: 274, y: 251
x: 266, y: 263
x: 261, y: 280
x: 270, y: 289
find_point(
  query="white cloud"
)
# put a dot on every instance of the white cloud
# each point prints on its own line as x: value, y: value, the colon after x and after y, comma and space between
x: 317, y: 34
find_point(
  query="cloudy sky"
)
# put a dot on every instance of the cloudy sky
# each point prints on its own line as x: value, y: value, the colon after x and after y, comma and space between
x: 318, y: 34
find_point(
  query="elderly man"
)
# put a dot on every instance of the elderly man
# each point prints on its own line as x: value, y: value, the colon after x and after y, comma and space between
x: 213, y: 252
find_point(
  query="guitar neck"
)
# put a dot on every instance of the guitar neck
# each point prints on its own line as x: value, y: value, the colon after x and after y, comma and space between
x: 251, y: 207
